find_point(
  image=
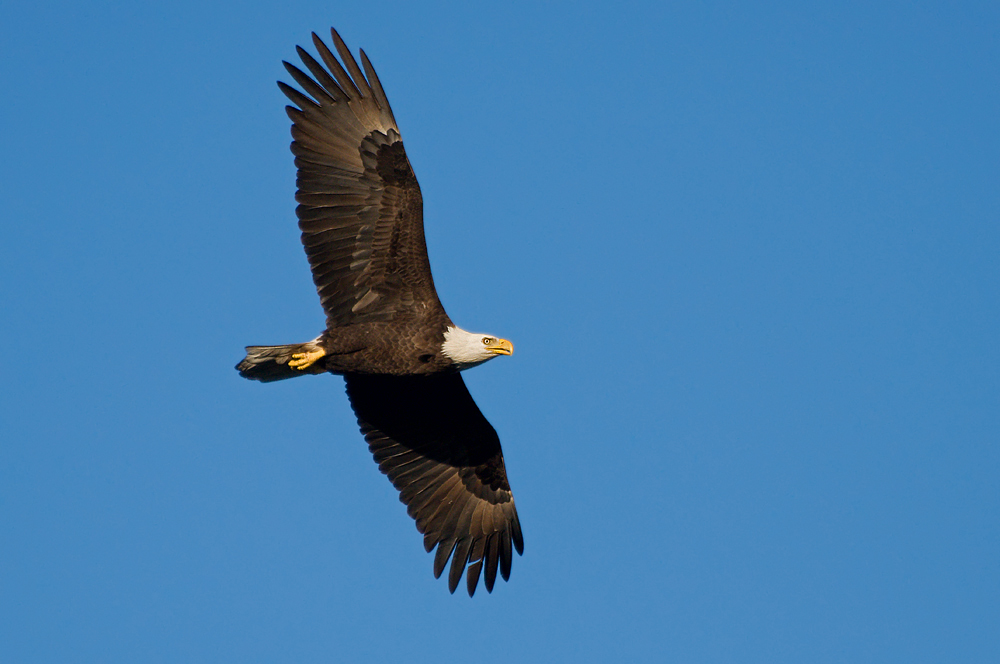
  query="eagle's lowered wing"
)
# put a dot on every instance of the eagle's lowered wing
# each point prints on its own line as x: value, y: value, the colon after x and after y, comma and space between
x: 430, y: 438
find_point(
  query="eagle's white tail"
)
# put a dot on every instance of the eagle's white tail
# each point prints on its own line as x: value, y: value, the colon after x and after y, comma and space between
x: 270, y: 363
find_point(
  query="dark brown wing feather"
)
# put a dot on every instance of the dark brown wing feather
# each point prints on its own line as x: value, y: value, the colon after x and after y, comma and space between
x: 360, y: 209
x: 430, y: 438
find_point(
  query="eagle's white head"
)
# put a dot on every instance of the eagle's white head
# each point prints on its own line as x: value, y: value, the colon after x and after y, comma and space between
x: 467, y: 349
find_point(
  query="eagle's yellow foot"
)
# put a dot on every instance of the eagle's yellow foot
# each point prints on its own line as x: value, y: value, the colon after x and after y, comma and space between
x: 303, y: 361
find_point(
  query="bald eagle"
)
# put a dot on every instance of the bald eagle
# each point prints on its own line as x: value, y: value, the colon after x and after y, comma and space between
x: 361, y: 216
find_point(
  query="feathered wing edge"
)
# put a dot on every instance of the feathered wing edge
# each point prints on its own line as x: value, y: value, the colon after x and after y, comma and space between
x: 364, y: 96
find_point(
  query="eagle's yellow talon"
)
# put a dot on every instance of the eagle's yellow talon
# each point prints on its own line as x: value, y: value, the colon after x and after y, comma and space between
x: 303, y: 361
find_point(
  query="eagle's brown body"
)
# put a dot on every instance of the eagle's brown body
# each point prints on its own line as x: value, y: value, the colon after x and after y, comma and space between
x: 386, y: 348
x: 361, y: 216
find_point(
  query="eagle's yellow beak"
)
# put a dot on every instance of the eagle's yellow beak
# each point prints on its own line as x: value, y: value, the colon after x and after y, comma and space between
x: 502, y: 347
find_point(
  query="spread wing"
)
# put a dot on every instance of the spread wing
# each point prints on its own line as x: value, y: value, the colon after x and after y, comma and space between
x: 360, y: 209
x: 430, y: 438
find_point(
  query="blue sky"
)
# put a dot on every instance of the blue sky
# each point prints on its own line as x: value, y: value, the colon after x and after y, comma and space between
x: 747, y: 253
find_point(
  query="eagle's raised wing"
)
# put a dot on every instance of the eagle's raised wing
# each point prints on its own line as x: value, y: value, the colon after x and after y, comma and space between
x: 360, y: 209
x: 430, y: 438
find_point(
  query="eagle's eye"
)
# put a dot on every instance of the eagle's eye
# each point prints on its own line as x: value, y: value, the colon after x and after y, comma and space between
x: 487, y: 341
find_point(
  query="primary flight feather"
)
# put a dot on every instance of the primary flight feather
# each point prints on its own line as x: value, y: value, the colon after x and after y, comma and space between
x: 361, y: 216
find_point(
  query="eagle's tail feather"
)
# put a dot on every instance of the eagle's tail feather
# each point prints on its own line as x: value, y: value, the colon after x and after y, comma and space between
x: 270, y: 363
